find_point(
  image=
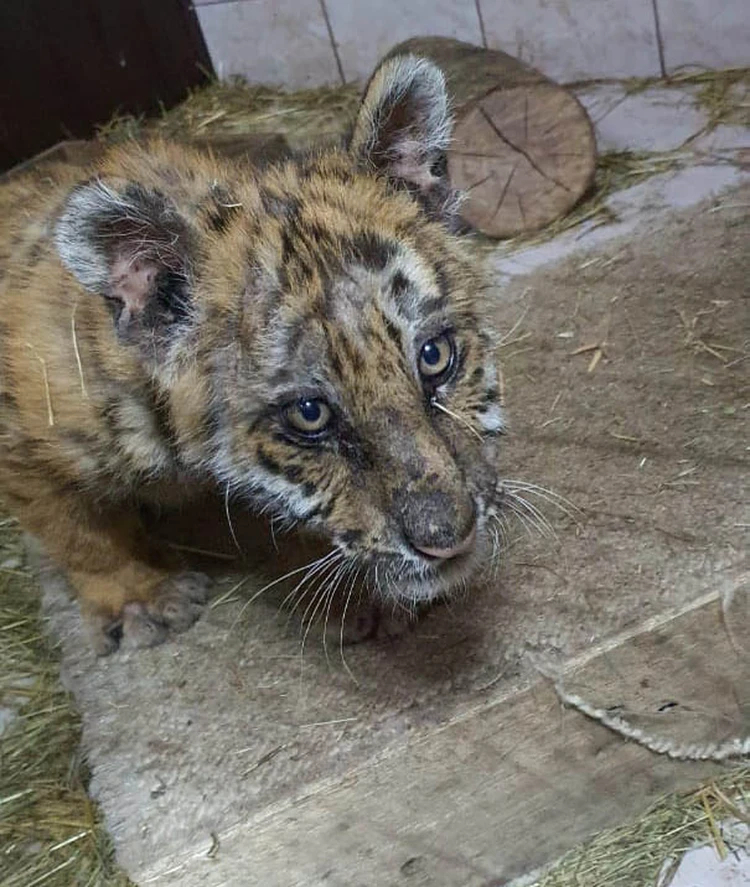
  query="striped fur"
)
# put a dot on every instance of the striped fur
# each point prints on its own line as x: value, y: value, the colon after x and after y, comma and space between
x: 160, y: 315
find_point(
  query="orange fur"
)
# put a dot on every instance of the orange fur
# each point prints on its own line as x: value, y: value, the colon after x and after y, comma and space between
x: 159, y: 313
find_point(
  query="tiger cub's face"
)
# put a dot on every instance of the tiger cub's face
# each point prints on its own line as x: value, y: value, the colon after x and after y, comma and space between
x: 333, y: 325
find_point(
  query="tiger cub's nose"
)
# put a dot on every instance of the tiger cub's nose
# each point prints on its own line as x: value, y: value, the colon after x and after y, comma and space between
x: 454, y: 551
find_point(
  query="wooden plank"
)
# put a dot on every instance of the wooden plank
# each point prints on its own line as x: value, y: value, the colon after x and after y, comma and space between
x: 250, y: 147
x: 508, y: 787
x: 77, y: 152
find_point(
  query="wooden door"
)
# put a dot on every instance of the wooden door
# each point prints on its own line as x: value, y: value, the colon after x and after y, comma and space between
x: 68, y: 65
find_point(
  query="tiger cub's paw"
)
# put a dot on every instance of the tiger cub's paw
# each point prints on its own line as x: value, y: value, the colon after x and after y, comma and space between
x: 368, y: 622
x: 175, y: 605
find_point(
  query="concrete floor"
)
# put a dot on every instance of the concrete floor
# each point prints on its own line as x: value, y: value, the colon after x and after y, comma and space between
x: 232, y: 757
x: 703, y: 868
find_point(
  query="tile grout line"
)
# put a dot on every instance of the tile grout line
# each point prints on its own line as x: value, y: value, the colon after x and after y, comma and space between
x: 199, y: 4
x: 334, y: 47
x: 477, y: 4
x: 659, y: 40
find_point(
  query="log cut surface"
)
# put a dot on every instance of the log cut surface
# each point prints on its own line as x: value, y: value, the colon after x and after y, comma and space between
x: 523, y: 151
x: 523, y: 156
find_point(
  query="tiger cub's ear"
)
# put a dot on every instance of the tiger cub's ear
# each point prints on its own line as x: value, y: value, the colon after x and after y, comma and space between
x: 131, y: 245
x: 403, y: 129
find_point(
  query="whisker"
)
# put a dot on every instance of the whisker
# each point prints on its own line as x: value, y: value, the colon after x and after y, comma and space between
x: 494, y: 564
x: 45, y: 380
x: 317, y: 598
x: 539, y: 527
x: 265, y: 588
x: 501, y: 529
x: 273, y: 533
x: 316, y: 569
x: 229, y: 522
x: 342, y: 578
x: 511, y: 538
x: 327, y: 611
x: 323, y: 594
x: 555, y: 499
x: 349, y: 592
x: 521, y: 515
x: 326, y: 614
x: 311, y: 570
x: 434, y: 402
x: 504, y: 545
x: 541, y: 517
x: 390, y: 589
x: 543, y: 526
x: 226, y: 596
x: 325, y: 580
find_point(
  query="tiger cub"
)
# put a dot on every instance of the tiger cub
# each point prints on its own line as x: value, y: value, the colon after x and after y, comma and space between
x: 308, y: 338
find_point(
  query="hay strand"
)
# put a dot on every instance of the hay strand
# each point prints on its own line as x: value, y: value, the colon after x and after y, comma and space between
x: 77, y: 352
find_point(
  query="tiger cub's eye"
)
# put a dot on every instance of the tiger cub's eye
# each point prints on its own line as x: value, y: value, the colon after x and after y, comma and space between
x: 308, y: 415
x: 436, y: 358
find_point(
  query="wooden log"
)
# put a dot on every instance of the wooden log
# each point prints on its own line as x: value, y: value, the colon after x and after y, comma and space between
x: 523, y: 148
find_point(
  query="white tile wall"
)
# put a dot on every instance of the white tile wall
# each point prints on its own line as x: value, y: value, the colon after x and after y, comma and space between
x: 287, y: 42
x: 280, y: 42
x: 711, y: 33
x: 365, y: 31
x: 577, y: 39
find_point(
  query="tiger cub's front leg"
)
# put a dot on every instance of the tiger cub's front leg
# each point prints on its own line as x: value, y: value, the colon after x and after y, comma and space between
x: 128, y: 592
x: 138, y: 605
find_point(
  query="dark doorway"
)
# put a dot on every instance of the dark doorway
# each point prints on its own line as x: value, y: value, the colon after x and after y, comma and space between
x: 68, y: 65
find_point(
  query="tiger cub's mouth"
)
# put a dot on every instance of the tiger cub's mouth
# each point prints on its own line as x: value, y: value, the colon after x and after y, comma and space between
x: 407, y: 581
x: 437, y: 581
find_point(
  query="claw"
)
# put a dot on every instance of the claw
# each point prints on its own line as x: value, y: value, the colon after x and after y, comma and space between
x: 175, y: 605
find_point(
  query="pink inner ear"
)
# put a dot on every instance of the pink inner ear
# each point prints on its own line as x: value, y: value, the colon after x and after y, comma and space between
x: 132, y: 282
x: 409, y: 164
x: 411, y: 169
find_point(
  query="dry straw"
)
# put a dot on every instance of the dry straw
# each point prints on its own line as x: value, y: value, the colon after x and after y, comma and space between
x: 635, y: 854
x: 50, y: 831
